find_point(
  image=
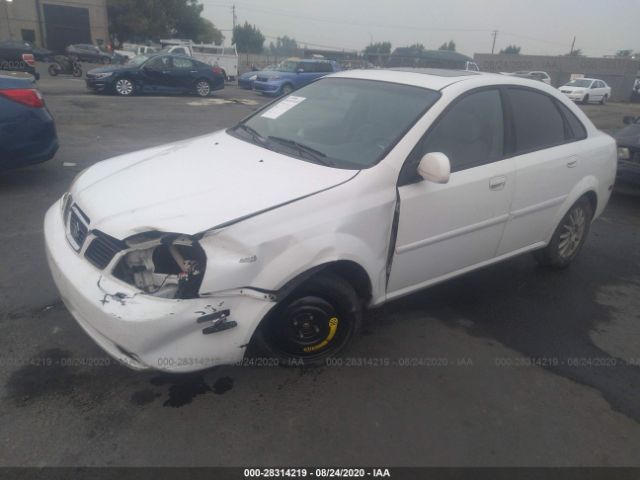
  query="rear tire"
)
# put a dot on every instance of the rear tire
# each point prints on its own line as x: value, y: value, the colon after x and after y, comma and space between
x: 318, y: 320
x: 77, y: 72
x: 286, y: 89
x: 568, y: 238
x: 53, y: 70
x: 203, y: 88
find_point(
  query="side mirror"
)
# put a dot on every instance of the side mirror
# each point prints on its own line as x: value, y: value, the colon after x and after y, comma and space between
x: 435, y: 167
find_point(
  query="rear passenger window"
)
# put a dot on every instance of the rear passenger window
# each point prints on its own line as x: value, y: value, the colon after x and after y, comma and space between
x: 537, y: 122
x: 576, y: 128
x: 471, y: 132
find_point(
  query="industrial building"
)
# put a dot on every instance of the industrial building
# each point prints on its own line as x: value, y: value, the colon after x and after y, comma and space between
x: 54, y: 24
x: 619, y: 73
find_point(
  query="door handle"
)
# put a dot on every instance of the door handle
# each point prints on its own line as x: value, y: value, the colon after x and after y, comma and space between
x: 573, y: 161
x: 497, y: 183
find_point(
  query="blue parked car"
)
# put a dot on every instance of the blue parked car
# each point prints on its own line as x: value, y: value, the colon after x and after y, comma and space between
x: 27, y: 130
x: 291, y: 75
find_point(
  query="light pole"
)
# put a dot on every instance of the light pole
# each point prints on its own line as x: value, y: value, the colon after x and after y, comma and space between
x: 6, y: 11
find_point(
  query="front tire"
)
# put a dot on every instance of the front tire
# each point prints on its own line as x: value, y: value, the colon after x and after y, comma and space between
x: 604, y: 100
x: 203, y: 88
x: 53, y: 70
x: 124, y: 87
x: 286, y: 89
x: 568, y: 238
x: 318, y: 320
x: 585, y: 99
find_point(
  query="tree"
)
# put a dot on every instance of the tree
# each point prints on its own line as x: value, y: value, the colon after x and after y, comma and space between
x: 416, y: 47
x: 451, y: 46
x: 512, y: 49
x: 248, y: 38
x: 374, y: 51
x: 143, y: 20
x: 284, y: 46
x: 624, y: 53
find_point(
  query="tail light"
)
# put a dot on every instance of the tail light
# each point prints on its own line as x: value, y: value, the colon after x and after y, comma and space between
x: 25, y: 96
x: 217, y: 70
x: 28, y: 59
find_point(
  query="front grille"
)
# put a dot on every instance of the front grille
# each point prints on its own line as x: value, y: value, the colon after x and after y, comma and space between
x: 78, y: 227
x: 102, y: 249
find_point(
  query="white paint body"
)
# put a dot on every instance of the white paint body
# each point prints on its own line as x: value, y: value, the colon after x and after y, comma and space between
x: 288, y: 216
x: 224, y: 57
x: 595, y: 91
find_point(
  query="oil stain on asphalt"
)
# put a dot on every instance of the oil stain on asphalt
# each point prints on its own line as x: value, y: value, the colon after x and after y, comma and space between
x: 182, y: 389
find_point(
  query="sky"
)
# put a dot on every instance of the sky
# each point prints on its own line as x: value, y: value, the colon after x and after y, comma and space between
x: 540, y: 27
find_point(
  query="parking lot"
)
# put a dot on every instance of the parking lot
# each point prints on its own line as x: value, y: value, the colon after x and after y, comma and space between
x: 509, y: 365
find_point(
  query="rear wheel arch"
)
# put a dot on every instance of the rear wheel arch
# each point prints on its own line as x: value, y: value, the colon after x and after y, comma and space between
x: 593, y: 200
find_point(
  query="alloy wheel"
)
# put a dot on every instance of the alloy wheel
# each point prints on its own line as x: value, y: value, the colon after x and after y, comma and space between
x: 124, y: 87
x: 572, y: 233
x: 203, y: 88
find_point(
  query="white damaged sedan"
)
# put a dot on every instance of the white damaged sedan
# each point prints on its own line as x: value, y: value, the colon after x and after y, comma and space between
x: 358, y: 188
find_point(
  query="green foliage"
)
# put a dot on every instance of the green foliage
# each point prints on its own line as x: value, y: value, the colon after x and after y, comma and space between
x: 378, y: 47
x: 374, y: 51
x: 142, y: 20
x: 416, y: 47
x: 248, y: 38
x: 512, y: 49
x: 451, y: 46
x: 284, y: 46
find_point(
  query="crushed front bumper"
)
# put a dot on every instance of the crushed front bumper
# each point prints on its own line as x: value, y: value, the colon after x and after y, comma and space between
x: 143, y: 331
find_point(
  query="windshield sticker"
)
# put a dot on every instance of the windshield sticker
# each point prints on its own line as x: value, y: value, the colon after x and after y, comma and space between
x: 283, y: 107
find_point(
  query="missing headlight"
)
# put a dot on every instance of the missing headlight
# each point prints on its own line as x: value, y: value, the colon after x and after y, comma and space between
x: 168, y: 268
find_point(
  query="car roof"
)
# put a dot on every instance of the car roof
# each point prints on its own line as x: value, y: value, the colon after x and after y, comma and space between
x: 432, y: 78
x: 439, y: 79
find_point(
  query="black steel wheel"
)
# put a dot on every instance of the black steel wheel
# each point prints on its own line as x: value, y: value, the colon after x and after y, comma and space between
x: 317, y: 321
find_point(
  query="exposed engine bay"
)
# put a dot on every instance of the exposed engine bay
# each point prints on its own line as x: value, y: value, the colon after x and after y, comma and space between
x: 171, y: 267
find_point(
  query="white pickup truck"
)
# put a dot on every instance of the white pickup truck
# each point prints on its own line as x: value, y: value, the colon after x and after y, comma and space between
x: 224, y: 57
x: 130, y: 50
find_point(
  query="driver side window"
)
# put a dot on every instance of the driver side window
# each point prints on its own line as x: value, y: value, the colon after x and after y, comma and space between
x: 470, y: 133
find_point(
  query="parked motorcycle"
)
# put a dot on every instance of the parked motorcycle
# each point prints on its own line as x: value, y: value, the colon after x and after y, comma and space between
x: 64, y: 65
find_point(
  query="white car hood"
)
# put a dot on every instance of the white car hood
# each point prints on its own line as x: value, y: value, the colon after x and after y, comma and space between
x: 194, y: 185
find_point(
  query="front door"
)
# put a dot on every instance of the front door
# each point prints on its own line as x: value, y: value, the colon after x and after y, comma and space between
x: 156, y: 73
x: 448, y: 228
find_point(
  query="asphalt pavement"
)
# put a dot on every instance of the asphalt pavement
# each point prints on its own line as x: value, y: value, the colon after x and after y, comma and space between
x: 509, y: 365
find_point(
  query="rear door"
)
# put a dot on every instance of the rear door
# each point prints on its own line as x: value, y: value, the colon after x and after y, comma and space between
x: 546, y: 162
x: 183, y: 73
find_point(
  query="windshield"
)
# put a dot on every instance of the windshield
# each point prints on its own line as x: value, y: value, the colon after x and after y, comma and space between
x: 340, y: 122
x: 579, y: 83
x: 287, y: 66
x: 138, y: 60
